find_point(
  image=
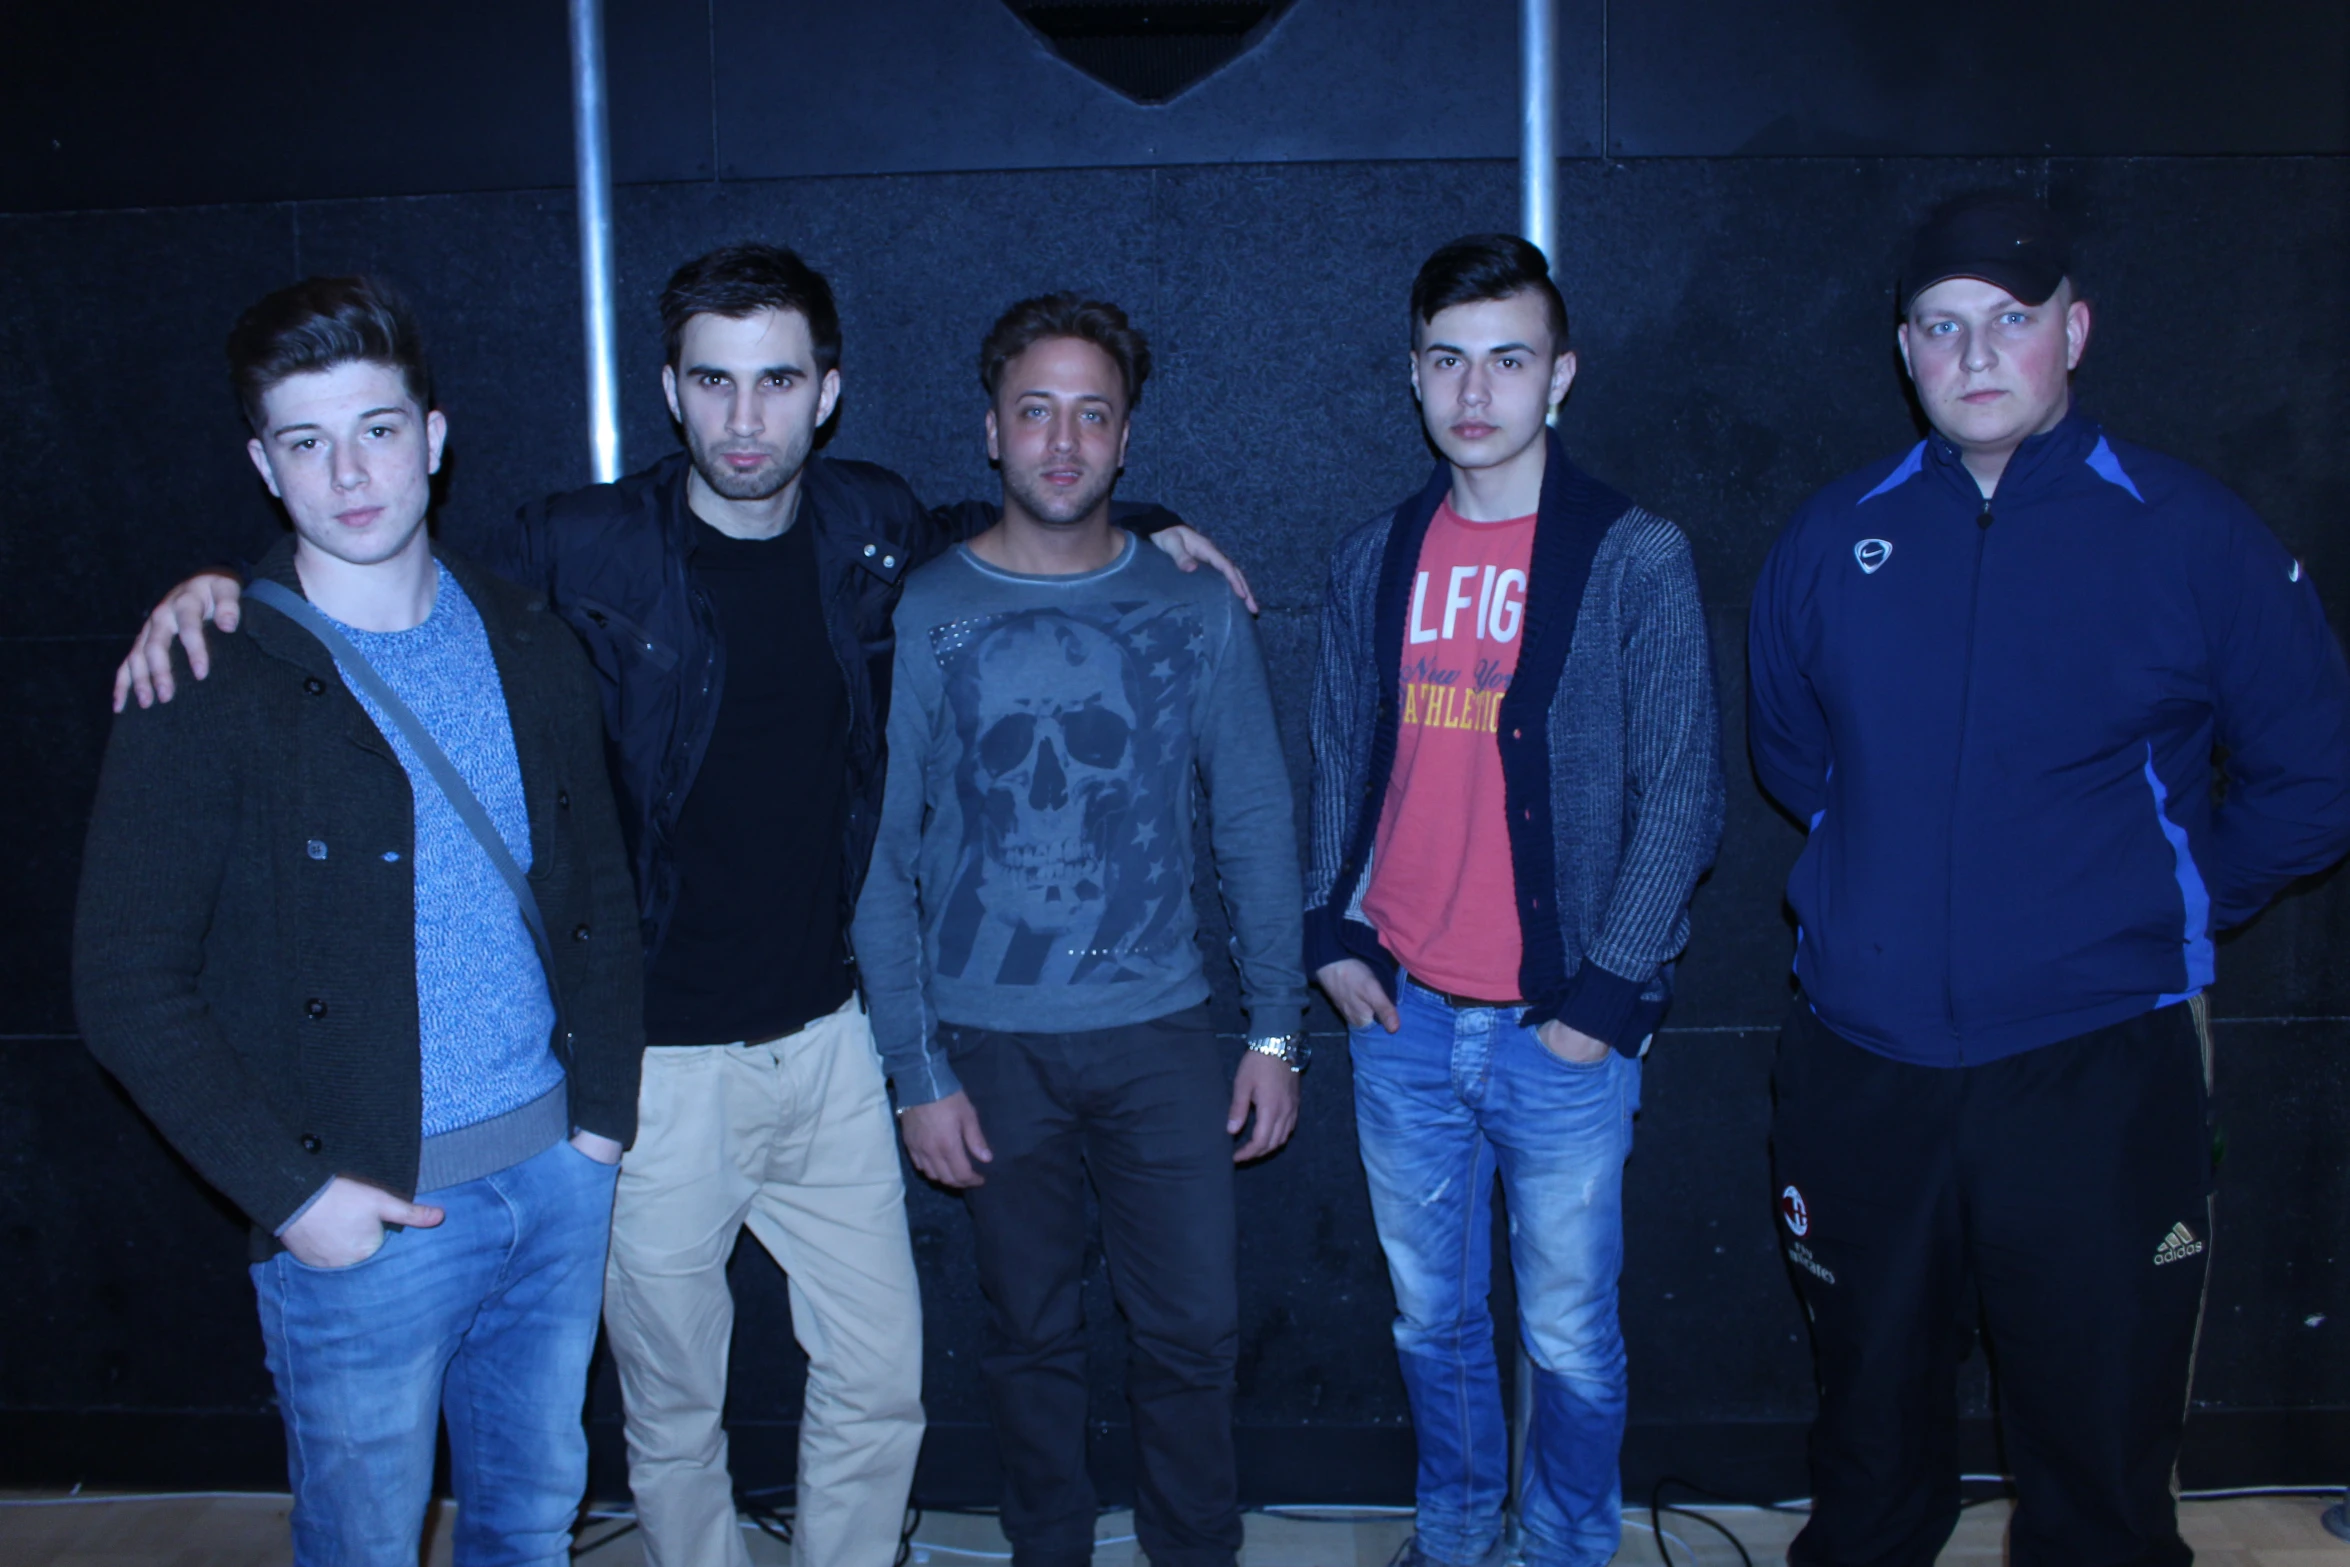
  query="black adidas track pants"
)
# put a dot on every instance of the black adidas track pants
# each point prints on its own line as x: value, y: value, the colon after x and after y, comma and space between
x: 2071, y: 1186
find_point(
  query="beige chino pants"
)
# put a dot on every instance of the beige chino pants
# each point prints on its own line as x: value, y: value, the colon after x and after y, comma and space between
x: 793, y: 1137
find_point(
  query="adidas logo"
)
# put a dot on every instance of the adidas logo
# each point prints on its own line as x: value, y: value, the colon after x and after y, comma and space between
x: 2177, y: 1246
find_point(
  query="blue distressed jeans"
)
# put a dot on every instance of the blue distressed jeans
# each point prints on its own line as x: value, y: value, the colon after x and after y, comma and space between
x: 488, y: 1319
x: 1440, y: 1107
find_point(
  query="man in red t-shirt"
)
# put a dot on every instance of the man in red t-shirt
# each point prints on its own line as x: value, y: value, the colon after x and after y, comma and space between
x: 1517, y: 784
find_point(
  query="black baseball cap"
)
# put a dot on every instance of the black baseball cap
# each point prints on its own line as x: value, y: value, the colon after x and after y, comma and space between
x: 2003, y: 238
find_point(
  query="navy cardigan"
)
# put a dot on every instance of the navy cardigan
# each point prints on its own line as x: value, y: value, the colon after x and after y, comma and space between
x: 1610, y: 749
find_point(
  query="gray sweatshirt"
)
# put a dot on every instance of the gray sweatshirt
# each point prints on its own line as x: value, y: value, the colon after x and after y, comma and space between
x: 1034, y: 865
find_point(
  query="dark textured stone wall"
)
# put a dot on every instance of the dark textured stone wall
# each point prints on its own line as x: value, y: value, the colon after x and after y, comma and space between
x: 110, y: 103
x: 1733, y: 314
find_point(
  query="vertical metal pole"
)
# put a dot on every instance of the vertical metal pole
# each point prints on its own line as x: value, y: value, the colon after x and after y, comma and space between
x: 1538, y: 163
x: 1538, y: 169
x: 593, y: 160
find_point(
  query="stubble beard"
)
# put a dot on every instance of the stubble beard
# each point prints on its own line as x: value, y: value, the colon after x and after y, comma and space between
x: 761, y: 483
x: 1059, y: 508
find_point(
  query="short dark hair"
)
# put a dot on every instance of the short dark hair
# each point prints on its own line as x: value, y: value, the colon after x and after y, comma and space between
x: 317, y: 324
x: 1066, y: 314
x: 1479, y: 267
x: 741, y: 280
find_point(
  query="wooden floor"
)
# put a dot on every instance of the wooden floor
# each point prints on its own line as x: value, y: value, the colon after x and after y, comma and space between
x: 250, y: 1531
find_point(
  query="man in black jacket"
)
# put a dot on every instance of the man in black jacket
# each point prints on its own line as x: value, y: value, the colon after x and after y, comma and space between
x: 744, y: 663
x: 317, y: 980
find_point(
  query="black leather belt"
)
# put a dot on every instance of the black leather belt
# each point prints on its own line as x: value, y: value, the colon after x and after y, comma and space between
x: 1460, y: 1003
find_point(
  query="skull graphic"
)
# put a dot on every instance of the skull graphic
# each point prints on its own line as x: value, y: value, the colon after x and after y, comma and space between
x: 1053, y: 735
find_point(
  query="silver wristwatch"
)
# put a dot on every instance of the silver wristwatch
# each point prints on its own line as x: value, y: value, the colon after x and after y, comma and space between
x: 1288, y: 1049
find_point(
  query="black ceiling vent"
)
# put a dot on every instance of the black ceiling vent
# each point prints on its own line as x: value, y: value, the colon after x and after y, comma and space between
x: 1150, y: 50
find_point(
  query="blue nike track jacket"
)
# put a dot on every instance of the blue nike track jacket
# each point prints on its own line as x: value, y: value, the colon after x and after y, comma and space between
x: 1999, y: 719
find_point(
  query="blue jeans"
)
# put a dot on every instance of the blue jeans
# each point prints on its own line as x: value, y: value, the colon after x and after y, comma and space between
x: 1440, y: 1106
x: 488, y: 1319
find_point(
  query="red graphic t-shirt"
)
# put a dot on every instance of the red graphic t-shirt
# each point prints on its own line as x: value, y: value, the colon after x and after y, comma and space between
x: 1442, y: 895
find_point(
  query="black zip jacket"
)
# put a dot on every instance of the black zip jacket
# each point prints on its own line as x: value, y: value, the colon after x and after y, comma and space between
x: 245, y: 943
x: 614, y: 560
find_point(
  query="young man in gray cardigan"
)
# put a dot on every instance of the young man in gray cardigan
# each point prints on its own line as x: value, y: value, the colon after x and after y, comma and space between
x: 1517, y: 782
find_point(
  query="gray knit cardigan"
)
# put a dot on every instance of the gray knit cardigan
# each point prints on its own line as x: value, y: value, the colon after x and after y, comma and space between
x: 1630, y: 779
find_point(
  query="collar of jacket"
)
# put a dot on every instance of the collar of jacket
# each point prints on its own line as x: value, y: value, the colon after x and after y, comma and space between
x: 282, y: 638
x: 274, y: 634
x: 842, y: 532
x: 2036, y: 465
x: 1573, y: 515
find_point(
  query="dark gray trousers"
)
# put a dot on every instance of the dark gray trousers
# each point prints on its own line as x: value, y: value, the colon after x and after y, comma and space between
x: 1141, y: 1110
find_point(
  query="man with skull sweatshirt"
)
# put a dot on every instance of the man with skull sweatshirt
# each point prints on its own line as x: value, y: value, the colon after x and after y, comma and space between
x: 1027, y: 938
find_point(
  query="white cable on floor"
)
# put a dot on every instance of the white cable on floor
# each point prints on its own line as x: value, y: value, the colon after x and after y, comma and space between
x: 1803, y: 1503
x: 72, y: 1499
x: 1333, y: 1509
x: 922, y: 1552
x: 1307, y: 1510
x: 1642, y: 1523
x: 1001, y: 1556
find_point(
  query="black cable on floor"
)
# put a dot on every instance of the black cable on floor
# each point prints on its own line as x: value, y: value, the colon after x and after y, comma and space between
x: 1656, y: 1521
x: 1657, y: 1507
x: 1711, y: 1495
x: 906, y: 1535
x: 769, y: 1520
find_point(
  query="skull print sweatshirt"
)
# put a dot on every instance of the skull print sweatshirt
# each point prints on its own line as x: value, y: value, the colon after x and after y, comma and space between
x: 1034, y: 866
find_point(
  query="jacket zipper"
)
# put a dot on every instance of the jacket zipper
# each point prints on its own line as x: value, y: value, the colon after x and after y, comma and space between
x: 692, y: 712
x: 848, y: 942
x: 705, y: 621
x: 1966, y: 694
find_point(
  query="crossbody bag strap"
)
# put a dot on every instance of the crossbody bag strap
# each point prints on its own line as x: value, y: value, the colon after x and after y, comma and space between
x: 436, y: 761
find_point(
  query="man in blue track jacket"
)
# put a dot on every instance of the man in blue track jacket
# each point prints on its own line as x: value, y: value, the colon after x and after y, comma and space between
x: 1992, y: 675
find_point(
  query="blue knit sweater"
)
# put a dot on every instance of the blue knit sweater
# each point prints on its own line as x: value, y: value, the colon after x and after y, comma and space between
x: 485, y: 1018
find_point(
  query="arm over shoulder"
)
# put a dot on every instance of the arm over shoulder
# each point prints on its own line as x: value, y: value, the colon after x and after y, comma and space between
x: 516, y: 549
